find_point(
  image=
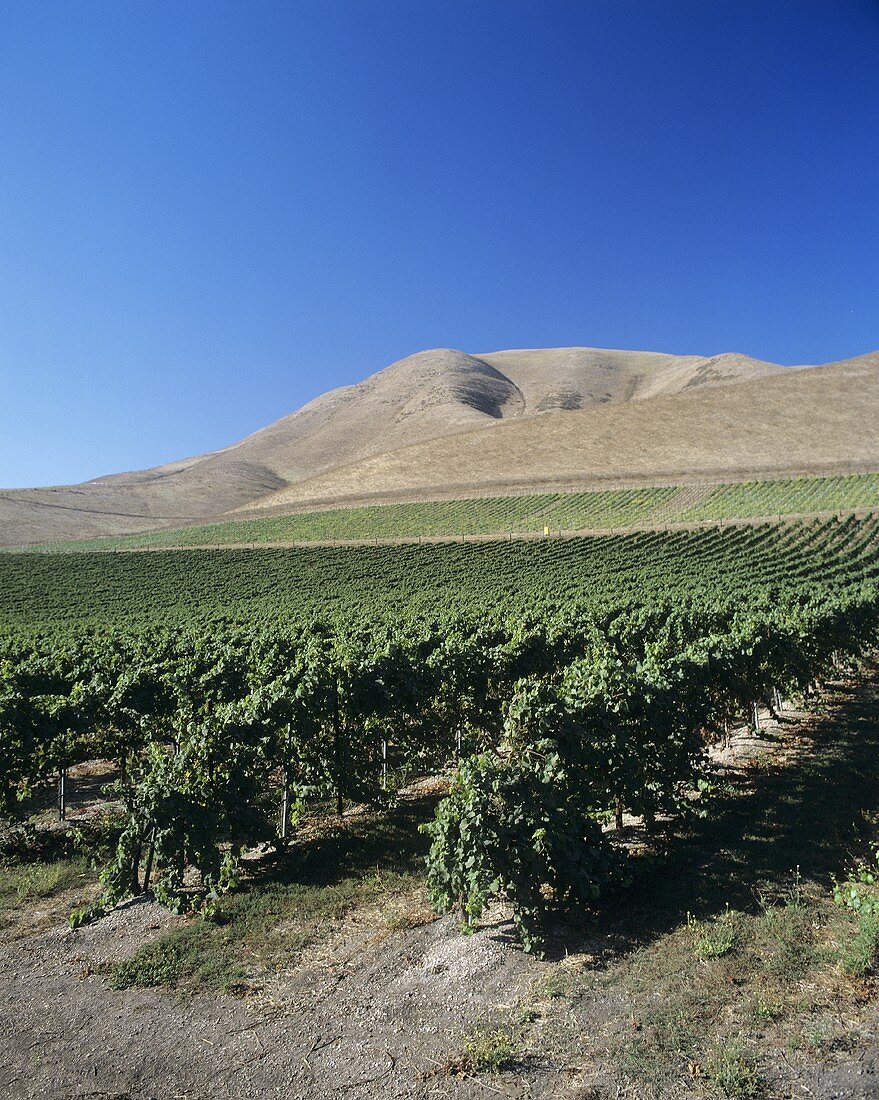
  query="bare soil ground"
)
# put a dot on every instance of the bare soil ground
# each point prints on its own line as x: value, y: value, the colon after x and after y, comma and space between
x: 359, y: 1018
x: 622, y: 1007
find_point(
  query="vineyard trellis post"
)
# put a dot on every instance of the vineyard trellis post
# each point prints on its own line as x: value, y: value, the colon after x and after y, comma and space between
x: 151, y: 853
x: 337, y: 750
x: 285, y: 804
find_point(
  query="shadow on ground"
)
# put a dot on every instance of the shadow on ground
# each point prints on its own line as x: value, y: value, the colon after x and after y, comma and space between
x: 792, y: 818
x: 355, y: 845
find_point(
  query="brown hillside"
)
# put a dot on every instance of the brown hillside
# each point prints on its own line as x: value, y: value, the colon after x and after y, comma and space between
x: 816, y: 420
x: 443, y: 419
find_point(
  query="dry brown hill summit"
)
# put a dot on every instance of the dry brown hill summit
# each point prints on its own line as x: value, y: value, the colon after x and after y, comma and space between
x: 443, y: 421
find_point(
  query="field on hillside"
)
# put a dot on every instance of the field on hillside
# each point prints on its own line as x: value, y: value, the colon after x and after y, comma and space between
x: 601, y: 510
x: 390, y: 582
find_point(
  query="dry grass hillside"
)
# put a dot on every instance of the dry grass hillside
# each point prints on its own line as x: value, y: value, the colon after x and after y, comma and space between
x: 443, y: 420
x: 815, y: 420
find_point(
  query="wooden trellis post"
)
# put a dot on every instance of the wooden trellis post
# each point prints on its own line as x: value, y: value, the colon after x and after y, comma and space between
x: 285, y: 806
x: 62, y: 794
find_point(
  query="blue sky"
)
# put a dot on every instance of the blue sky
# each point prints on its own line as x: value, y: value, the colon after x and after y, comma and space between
x: 211, y: 212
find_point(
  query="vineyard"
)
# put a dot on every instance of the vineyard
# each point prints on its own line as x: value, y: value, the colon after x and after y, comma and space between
x: 563, y: 683
x: 500, y: 579
x: 605, y: 510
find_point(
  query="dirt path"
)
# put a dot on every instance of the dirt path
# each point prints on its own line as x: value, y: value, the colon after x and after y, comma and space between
x: 364, y: 1020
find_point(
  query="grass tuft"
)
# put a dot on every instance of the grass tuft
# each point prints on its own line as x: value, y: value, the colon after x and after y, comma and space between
x: 489, y: 1051
x: 733, y: 1073
x: 859, y: 955
x: 716, y: 938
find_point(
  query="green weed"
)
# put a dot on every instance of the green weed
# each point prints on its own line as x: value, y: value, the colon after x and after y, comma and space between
x: 489, y: 1050
x: 713, y: 939
x: 784, y: 939
x: 733, y: 1072
x: 859, y: 955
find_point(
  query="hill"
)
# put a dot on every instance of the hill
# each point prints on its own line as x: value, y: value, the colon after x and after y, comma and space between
x: 443, y: 420
x: 808, y: 421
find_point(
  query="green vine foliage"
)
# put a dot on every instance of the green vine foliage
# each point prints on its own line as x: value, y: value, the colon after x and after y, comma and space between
x: 195, y: 806
x: 519, y: 824
x: 559, y: 713
x: 612, y: 728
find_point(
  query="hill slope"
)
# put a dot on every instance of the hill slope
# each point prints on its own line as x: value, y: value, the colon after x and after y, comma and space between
x: 814, y: 420
x: 442, y: 419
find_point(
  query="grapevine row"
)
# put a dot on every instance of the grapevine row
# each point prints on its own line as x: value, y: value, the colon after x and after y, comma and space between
x: 222, y: 733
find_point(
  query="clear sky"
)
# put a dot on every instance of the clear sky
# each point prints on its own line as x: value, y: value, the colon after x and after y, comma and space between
x: 210, y: 211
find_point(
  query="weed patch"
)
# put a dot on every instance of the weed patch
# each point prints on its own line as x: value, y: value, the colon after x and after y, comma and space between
x: 714, y: 939
x: 489, y: 1051
x: 32, y: 881
x: 733, y: 1073
x: 858, y: 956
x: 784, y: 939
